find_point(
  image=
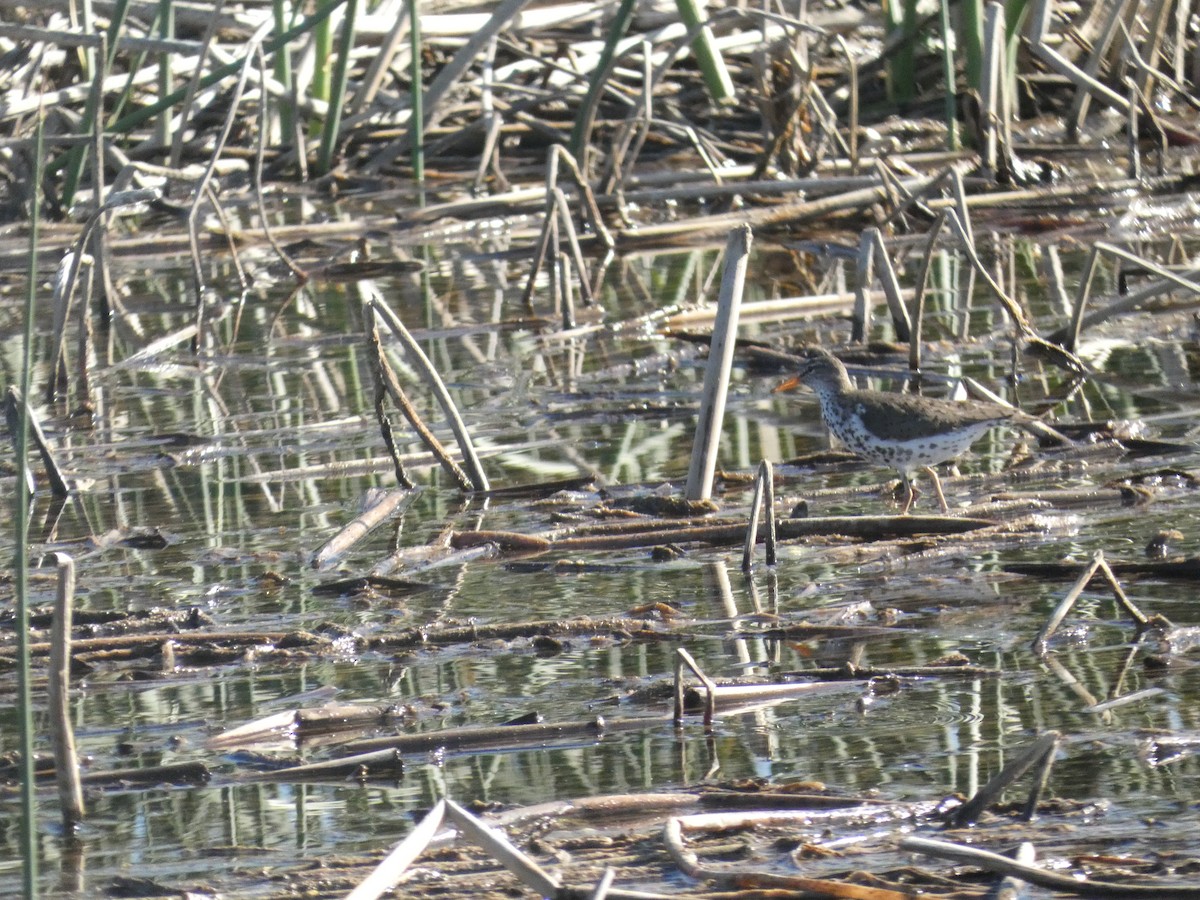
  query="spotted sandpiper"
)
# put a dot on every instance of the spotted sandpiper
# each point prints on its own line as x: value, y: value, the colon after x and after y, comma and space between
x: 903, y: 431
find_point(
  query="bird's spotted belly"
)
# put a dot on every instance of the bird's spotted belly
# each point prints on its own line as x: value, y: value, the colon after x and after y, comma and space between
x: 904, y: 455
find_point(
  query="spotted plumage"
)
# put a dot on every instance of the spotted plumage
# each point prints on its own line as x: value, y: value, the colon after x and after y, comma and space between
x: 903, y: 431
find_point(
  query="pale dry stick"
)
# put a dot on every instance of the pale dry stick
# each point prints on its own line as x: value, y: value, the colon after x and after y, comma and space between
x: 379, y: 508
x: 961, y: 203
x: 1153, y: 41
x: 1025, y: 331
x: 1127, y: 699
x: 784, y: 308
x: 1098, y: 38
x: 504, y: 851
x: 189, y: 98
x: 873, y: 258
x: 634, y: 130
x: 446, y: 78
x: 429, y: 375
x: 1030, y: 423
x: 73, y: 96
x: 393, y: 866
x: 540, y: 252
x: 741, y: 879
x: 201, y: 189
x: 489, y: 156
x: 604, y: 884
x: 66, y: 759
x: 388, y: 383
x: 568, y: 224
x: 918, y: 301
x: 227, y: 230
x: 68, y: 275
x: 683, y: 659
x: 1069, y: 337
x: 852, y: 125
x: 1183, y: 15
x: 1041, y: 749
x: 1039, y: 29
x: 720, y: 363
x: 1056, y: 281
x: 1069, y: 884
x: 30, y: 34
x: 590, y: 207
x: 259, y: 155
x: 764, y: 495
x: 827, y: 117
x: 898, y: 197
x: 379, y: 69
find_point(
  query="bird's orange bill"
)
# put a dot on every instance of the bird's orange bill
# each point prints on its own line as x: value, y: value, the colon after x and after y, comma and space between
x: 791, y: 384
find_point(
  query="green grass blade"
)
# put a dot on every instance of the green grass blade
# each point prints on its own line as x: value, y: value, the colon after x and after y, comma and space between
x: 583, y: 119
x: 133, y: 119
x: 284, y: 75
x: 21, y: 523
x: 337, y: 97
x: 708, y: 57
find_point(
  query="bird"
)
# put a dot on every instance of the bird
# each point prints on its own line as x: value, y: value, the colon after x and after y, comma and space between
x: 903, y: 431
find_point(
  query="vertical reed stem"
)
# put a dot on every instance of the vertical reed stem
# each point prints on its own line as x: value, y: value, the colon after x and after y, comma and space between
x: 28, y: 837
x: 416, y: 128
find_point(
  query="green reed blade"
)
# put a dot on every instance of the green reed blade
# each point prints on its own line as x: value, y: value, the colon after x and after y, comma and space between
x: 337, y: 91
x: 283, y: 74
x: 133, y: 119
x: 21, y: 524
x: 583, y: 119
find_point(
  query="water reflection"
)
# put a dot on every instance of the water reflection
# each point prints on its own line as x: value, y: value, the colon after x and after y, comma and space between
x: 246, y: 459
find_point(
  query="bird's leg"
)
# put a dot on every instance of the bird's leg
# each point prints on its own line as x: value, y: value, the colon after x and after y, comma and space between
x: 937, y: 486
x: 910, y: 493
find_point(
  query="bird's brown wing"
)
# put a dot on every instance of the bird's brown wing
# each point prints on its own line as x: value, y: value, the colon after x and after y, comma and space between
x: 907, y: 417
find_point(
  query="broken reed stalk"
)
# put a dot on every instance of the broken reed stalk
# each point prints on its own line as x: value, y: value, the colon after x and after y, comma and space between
x: 720, y: 363
x: 683, y: 660
x: 1039, y: 753
x: 918, y: 301
x: 386, y: 382
x: 66, y: 760
x: 201, y: 189
x: 764, y: 496
x: 385, y: 876
x: 67, y: 279
x: 378, y: 509
x: 1069, y: 337
x: 337, y: 90
x: 1069, y: 884
x: 22, y: 418
x: 416, y: 122
x: 419, y: 361
x: 502, y: 849
x: 1098, y: 564
x: 873, y: 257
x: 22, y: 499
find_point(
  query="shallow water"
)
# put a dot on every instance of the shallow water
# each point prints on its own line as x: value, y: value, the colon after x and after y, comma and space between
x: 248, y: 459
